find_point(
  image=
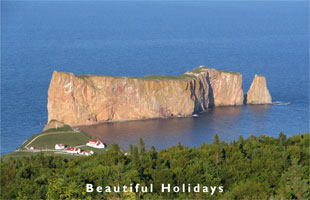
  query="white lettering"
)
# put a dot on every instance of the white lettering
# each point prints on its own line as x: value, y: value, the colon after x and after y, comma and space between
x: 130, y: 188
x: 213, y: 188
x: 176, y: 189
x: 99, y: 189
x: 89, y: 188
x: 125, y: 188
x: 197, y: 188
x: 163, y: 188
x: 107, y: 189
x: 151, y: 188
x: 205, y: 189
x: 116, y: 188
x: 143, y: 188
x: 137, y: 187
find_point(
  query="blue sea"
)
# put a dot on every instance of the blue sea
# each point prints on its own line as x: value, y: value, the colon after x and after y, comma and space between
x: 140, y: 38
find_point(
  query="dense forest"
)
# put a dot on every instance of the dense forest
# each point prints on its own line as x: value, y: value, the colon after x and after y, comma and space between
x: 255, y: 168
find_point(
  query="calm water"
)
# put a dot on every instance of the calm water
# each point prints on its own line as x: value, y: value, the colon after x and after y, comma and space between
x: 141, y: 38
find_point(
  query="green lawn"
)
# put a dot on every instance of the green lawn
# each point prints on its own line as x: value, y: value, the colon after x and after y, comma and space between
x: 68, y: 138
x: 66, y: 128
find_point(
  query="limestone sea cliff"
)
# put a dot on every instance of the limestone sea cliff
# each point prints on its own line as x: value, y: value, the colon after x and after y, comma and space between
x: 90, y: 99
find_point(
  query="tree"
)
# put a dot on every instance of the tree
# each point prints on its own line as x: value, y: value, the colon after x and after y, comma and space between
x: 293, y: 185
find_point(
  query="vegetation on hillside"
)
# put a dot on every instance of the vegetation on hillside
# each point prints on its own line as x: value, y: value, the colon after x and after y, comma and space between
x: 254, y: 168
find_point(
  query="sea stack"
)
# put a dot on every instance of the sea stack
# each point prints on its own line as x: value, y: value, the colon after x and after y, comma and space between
x: 258, y: 92
x: 90, y: 99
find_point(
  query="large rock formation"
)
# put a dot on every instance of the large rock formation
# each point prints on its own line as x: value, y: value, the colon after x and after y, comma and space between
x: 258, y: 92
x: 225, y: 87
x: 89, y: 99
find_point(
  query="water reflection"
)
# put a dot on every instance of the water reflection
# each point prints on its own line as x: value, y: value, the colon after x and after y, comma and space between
x: 227, y: 122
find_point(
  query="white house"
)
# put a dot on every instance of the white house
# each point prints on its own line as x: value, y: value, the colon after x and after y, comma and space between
x: 73, y: 150
x: 59, y: 146
x: 86, y: 153
x: 95, y: 144
x: 89, y: 152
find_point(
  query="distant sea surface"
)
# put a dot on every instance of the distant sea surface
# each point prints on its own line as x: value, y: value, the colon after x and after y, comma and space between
x: 142, y: 38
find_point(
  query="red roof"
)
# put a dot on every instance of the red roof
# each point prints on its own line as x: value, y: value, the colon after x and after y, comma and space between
x: 95, y: 141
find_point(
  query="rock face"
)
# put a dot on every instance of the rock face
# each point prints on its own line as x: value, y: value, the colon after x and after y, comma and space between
x: 53, y: 124
x: 89, y: 99
x: 258, y: 92
x: 225, y: 88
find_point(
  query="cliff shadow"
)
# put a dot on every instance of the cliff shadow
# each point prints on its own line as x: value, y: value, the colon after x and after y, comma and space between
x: 198, y: 107
x: 210, y: 94
x: 245, y: 99
x: 203, y: 97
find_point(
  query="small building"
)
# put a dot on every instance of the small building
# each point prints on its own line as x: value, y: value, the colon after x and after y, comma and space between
x: 95, y: 143
x: 32, y: 148
x: 88, y: 153
x: 73, y: 150
x: 59, y: 146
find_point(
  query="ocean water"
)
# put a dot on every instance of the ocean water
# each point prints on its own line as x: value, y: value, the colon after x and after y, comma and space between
x: 142, y: 38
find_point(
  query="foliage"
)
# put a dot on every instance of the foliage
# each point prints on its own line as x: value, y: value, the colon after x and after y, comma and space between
x: 255, y: 168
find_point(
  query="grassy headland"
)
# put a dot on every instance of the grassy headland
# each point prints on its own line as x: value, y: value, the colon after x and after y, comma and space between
x: 45, y: 142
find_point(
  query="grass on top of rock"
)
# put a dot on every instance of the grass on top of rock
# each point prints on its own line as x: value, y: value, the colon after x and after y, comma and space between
x: 93, y: 75
x: 202, y: 68
x: 166, y: 77
x: 148, y: 77
x: 160, y: 77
